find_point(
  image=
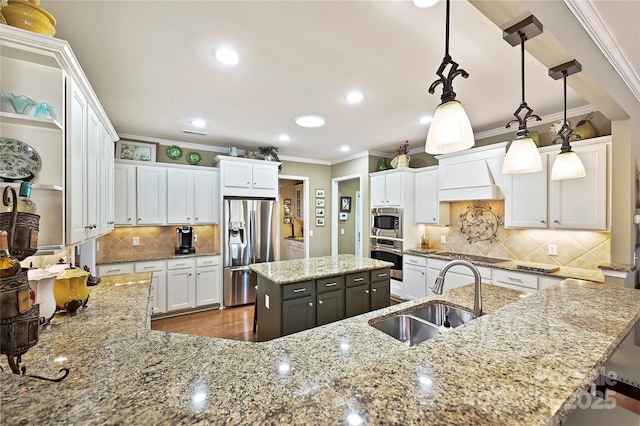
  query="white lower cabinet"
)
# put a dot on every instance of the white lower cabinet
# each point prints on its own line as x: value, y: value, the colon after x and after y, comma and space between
x: 515, y: 280
x: 414, y: 277
x: 181, y: 284
x: 107, y: 270
x: 294, y: 249
x: 457, y: 276
x: 158, y: 283
x: 208, y: 285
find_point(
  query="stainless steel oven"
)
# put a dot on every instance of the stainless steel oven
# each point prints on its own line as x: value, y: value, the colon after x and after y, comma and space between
x: 386, y: 222
x: 389, y: 251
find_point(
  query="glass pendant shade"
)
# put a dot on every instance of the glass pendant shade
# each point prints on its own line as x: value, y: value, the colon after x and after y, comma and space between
x: 567, y: 166
x: 450, y: 130
x: 522, y: 157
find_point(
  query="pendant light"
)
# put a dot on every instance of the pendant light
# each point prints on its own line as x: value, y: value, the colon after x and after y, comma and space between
x: 450, y: 130
x: 567, y: 165
x: 522, y: 155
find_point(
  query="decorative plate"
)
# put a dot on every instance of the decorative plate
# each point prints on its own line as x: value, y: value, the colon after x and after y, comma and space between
x: 18, y: 160
x: 194, y: 158
x: 174, y: 152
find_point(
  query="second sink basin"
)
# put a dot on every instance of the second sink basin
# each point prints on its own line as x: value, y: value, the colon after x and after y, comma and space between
x: 423, y: 322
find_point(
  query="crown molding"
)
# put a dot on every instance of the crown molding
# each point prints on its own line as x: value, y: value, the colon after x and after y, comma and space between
x: 168, y: 142
x: 589, y: 18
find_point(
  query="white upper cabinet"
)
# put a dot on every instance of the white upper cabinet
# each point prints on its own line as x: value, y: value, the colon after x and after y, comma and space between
x: 533, y: 200
x: 151, y: 195
x: 206, y: 196
x: 582, y: 203
x: 392, y: 188
x: 428, y: 208
x: 124, y: 194
x: 180, y: 205
x: 76, y: 168
x: 245, y: 177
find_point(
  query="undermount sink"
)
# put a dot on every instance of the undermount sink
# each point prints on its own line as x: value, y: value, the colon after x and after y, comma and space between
x: 423, y: 322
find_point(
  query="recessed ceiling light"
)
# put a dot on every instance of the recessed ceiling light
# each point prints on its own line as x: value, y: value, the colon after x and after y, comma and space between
x: 227, y: 56
x: 198, y: 122
x: 424, y: 3
x: 284, y: 138
x: 344, y: 148
x: 425, y: 119
x: 354, y: 97
x: 310, y: 121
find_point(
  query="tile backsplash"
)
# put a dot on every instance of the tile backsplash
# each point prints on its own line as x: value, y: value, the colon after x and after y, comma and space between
x: 477, y: 228
x: 155, y: 241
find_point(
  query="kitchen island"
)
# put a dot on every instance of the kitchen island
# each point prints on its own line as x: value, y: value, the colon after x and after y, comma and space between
x: 523, y: 363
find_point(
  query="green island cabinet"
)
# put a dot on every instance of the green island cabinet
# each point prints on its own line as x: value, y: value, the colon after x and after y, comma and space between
x: 289, y: 308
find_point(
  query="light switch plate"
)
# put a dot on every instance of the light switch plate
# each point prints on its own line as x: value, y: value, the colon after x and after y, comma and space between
x: 266, y: 301
x: 136, y: 241
x: 553, y: 250
x: 443, y: 239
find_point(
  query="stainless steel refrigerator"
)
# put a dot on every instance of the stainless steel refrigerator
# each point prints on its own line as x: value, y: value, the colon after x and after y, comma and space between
x: 249, y: 237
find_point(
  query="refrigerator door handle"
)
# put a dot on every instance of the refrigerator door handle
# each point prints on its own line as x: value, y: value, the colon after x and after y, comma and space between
x: 239, y: 268
x: 252, y: 230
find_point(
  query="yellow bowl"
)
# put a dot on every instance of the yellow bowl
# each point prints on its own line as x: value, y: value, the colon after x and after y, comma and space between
x: 70, y: 285
x: 28, y: 16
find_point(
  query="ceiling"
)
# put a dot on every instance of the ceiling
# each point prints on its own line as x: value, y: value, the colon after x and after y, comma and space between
x: 151, y: 65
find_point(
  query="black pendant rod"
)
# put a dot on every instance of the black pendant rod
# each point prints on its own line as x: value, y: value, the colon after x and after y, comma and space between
x: 446, y: 33
x: 563, y: 71
x: 523, y: 38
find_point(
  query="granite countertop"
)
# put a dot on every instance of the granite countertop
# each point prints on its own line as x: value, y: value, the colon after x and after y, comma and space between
x: 526, y: 267
x: 525, y: 363
x: 145, y: 257
x: 296, y: 270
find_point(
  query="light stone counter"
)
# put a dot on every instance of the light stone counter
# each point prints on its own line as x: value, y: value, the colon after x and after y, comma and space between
x: 291, y: 271
x: 523, y: 364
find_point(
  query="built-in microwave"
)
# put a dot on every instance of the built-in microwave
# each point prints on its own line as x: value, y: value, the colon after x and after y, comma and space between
x: 386, y: 222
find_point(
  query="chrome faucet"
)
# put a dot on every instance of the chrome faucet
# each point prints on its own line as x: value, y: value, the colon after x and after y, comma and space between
x: 477, y: 300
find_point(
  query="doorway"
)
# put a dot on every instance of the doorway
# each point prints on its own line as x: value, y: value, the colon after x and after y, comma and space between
x: 346, y: 217
x: 293, y: 222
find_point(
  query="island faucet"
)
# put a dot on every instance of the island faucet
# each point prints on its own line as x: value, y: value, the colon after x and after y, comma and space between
x: 477, y: 300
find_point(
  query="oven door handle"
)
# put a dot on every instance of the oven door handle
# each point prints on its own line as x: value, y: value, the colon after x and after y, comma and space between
x: 387, y: 250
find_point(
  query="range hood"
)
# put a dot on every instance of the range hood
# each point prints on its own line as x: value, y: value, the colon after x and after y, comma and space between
x: 474, y: 174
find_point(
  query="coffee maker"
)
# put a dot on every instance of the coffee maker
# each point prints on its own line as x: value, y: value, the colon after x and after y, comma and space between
x: 184, y: 240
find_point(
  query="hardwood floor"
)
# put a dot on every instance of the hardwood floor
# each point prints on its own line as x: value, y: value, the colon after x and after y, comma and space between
x: 232, y: 323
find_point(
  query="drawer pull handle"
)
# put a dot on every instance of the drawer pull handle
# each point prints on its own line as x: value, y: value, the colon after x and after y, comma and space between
x: 382, y: 275
x: 355, y: 280
x: 180, y: 264
x: 113, y: 270
x: 518, y: 280
x: 148, y: 267
x: 298, y: 290
x: 331, y: 285
x: 413, y: 261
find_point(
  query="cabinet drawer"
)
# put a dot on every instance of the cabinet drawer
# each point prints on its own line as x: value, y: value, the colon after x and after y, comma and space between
x: 154, y: 266
x: 180, y: 263
x: 380, y: 274
x: 329, y: 284
x: 415, y: 260
x: 115, y: 269
x: 207, y: 261
x: 357, y: 278
x: 501, y: 276
x: 290, y: 291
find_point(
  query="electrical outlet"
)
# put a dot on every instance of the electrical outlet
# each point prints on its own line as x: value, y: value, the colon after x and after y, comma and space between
x: 443, y: 239
x: 553, y: 250
x: 311, y: 232
x: 195, y: 238
x: 341, y: 231
x: 97, y: 245
x: 136, y: 241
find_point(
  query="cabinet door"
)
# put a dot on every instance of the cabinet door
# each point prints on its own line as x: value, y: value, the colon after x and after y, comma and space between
x: 525, y: 199
x: 124, y: 200
x: 265, y: 176
x: 330, y: 307
x: 414, y: 282
x: 298, y: 314
x: 357, y: 300
x: 378, y: 197
x: 207, y: 286
x: 393, y: 190
x: 151, y: 195
x: 428, y: 209
x: 236, y: 175
x: 206, y: 197
x: 76, y: 146
x: 380, y: 295
x: 92, y: 168
x: 299, y: 206
x: 582, y: 203
x: 105, y: 180
x: 180, y: 289
x: 180, y: 200
x: 159, y: 292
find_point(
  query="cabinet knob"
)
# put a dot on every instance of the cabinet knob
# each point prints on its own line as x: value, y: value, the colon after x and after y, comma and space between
x: 556, y: 221
x: 310, y: 304
x: 542, y: 221
x: 366, y: 291
x: 197, y: 218
x: 374, y: 289
x: 188, y: 218
x: 319, y: 302
x: 139, y: 218
x: 129, y: 219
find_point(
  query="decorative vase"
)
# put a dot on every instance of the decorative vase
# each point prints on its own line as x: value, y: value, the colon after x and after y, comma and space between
x: 400, y: 161
x: 18, y: 102
x: 29, y: 16
x: 42, y: 110
x: 382, y: 164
